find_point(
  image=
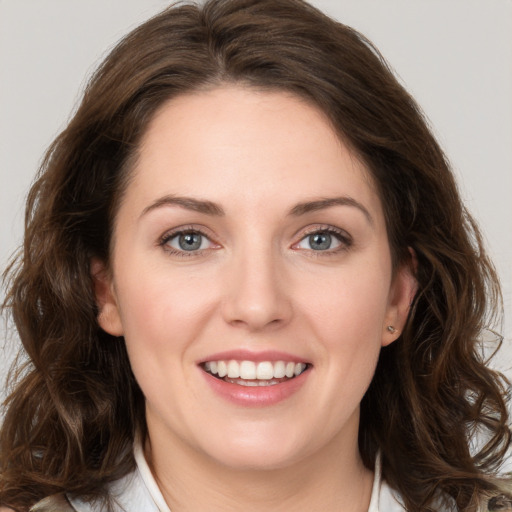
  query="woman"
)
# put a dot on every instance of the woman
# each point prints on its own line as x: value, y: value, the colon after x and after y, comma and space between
x: 248, y: 281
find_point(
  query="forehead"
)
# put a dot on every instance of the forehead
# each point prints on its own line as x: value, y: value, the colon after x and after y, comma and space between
x: 237, y: 144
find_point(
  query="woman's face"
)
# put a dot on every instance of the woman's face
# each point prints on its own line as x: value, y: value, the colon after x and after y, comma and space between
x: 251, y: 241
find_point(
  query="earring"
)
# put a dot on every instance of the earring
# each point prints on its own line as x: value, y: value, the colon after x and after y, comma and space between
x: 391, y: 329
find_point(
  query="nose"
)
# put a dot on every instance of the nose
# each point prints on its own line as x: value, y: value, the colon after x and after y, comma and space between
x: 257, y: 296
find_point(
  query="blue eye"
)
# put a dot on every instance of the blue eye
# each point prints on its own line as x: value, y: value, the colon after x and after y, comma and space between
x: 188, y: 241
x: 320, y: 241
x: 324, y: 240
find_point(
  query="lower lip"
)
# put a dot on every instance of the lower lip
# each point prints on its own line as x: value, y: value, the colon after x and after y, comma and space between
x: 252, y: 396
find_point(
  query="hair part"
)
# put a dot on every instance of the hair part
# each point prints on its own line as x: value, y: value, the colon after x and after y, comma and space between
x: 73, y: 414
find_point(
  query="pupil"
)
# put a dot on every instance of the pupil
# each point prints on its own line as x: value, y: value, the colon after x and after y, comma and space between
x: 320, y: 241
x: 190, y: 241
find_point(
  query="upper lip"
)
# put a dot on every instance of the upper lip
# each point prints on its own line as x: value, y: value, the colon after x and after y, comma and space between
x: 249, y: 355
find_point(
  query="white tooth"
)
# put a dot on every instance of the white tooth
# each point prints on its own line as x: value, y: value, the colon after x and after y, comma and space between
x: 290, y: 370
x: 213, y: 366
x: 233, y: 369
x: 222, y: 368
x: 265, y: 370
x: 279, y: 370
x: 207, y: 367
x: 299, y: 368
x: 248, y: 370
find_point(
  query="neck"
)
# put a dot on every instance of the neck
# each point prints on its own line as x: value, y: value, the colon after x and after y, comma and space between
x: 331, y: 480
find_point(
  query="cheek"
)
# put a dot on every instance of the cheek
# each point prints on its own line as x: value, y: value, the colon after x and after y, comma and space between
x: 162, y: 314
x: 347, y: 316
x: 157, y: 299
x: 349, y: 304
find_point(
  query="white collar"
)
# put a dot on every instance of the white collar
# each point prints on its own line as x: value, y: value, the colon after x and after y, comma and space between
x: 148, y: 479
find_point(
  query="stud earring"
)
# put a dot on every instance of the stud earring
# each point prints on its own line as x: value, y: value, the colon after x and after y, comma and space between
x: 391, y: 329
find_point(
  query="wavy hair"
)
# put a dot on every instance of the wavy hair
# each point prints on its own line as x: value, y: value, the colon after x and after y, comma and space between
x: 75, y: 406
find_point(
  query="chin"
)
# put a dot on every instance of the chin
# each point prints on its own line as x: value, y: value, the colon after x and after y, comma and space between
x: 257, y: 451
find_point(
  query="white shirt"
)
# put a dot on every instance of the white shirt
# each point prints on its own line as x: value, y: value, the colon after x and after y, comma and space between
x: 139, y: 492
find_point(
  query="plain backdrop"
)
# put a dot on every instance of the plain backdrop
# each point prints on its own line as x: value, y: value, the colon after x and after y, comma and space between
x: 454, y: 56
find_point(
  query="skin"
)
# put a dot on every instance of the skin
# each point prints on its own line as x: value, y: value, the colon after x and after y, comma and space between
x: 256, y: 284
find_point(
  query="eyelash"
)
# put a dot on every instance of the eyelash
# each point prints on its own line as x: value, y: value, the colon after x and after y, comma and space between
x: 342, y: 236
x: 183, y: 230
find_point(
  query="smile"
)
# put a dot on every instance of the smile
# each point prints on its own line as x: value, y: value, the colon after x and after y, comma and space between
x: 251, y: 373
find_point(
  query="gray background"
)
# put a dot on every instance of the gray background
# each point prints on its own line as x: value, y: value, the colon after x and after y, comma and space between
x: 455, y: 56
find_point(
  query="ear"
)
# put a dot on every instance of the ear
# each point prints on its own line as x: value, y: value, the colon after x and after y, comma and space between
x: 401, y: 294
x: 109, y: 317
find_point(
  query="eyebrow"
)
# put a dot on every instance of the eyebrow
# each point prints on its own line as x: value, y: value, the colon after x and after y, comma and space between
x: 188, y: 203
x: 211, y: 208
x: 321, y: 204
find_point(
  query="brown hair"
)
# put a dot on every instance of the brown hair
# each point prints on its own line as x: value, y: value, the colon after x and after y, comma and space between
x: 71, y: 418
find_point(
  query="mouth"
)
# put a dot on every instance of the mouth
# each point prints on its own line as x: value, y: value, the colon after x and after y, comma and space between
x: 254, y: 374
